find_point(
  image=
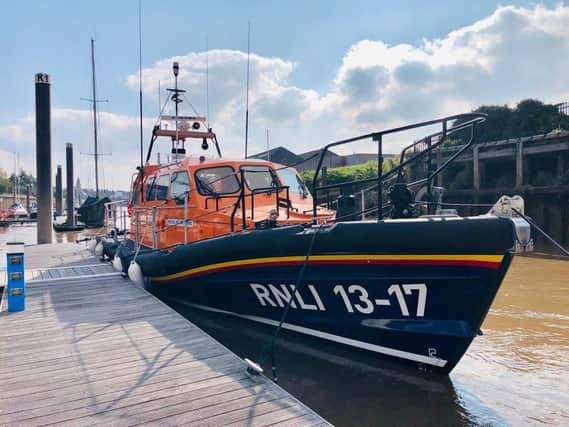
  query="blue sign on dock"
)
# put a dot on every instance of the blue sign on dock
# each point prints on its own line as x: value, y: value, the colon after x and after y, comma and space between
x: 15, y: 272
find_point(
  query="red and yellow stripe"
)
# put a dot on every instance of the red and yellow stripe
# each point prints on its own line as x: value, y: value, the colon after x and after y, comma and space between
x: 484, y: 261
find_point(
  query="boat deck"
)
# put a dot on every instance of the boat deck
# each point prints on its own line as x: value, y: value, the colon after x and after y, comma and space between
x: 93, y: 348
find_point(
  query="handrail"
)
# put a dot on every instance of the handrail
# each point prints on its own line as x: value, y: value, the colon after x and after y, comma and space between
x: 217, y: 198
x: 240, y: 200
x: 111, y: 217
x: 268, y: 190
x: 473, y: 119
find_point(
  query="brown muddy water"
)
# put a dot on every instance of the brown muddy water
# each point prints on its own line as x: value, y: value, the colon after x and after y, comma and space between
x: 517, y: 373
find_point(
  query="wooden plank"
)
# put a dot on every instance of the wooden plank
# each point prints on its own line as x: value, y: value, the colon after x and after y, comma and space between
x: 59, y: 349
x: 289, y: 414
x: 74, y: 379
x: 197, y: 369
x: 80, y: 332
x: 122, y: 406
x: 30, y: 359
x: 118, y: 389
x: 167, y: 355
x: 221, y: 411
x: 92, y: 349
x: 126, y: 318
x: 305, y: 420
x: 119, y: 399
x: 145, y: 407
x: 145, y: 352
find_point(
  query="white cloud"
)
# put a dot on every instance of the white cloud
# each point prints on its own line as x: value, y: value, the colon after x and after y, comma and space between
x: 118, y: 134
x: 512, y: 54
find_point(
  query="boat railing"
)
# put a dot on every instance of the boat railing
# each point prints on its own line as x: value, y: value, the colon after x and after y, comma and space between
x: 116, y: 216
x: 217, y: 198
x: 420, y: 149
x: 241, y: 202
x: 145, y: 220
x: 153, y: 211
x: 278, y: 200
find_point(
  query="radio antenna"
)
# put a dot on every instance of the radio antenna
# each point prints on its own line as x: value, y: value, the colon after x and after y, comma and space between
x: 207, y: 82
x: 140, y: 76
x: 247, y: 102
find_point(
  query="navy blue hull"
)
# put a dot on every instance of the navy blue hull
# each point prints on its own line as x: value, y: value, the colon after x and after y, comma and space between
x: 358, y: 305
x: 417, y: 290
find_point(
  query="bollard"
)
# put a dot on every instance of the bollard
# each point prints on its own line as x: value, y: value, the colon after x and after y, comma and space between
x: 15, y: 272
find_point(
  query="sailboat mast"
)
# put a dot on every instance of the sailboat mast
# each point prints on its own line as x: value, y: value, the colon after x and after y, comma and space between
x: 18, y: 189
x: 14, y: 184
x: 247, y: 101
x: 96, y: 152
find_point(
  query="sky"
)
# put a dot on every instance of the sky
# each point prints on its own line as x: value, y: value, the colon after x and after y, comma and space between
x: 320, y: 70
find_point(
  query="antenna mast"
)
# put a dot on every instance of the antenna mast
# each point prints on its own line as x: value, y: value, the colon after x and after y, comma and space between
x: 207, y: 81
x: 247, y: 108
x: 95, y: 119
x: 140, y: 81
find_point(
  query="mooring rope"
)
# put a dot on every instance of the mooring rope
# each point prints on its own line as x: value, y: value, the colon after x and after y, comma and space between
x: 269, y: 348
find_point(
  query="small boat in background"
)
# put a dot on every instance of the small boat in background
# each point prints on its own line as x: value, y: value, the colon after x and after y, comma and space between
x: 92, y: 212
x: 16, y: 210
x: 246, y: 237
x: 63, y: 227
x: 34, y: 210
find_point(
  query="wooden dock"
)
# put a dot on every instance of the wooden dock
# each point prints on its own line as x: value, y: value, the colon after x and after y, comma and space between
x: 93, y: 348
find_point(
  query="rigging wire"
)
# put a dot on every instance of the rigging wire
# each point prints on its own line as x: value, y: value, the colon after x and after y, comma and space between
x: 207, y: 82
x: 95, y: 126
x: 140, y: 78
x: 186, y: 99
x: 247, y: 95
x: 102, y: 167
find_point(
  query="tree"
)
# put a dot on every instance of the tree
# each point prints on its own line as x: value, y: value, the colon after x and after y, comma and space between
x: 348, y: 173
x: 24, y: 179
x: 529, y: 117
x: 5, y: 184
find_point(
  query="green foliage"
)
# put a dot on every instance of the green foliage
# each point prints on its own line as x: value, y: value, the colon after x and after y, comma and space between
x: 348, y: 173
x: 25, y: 179
x: 529, y: 117
x: 5, y: 184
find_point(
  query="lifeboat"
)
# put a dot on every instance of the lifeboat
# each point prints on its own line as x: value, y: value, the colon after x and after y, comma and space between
x: 404, y: 278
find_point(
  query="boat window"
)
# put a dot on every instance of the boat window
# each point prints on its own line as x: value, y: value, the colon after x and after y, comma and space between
x: 180, y: 187
x: 162, y: 187
x: 294, y: 182
x: 257, y: 177
x: 218, y: 180
x: 151, y: 189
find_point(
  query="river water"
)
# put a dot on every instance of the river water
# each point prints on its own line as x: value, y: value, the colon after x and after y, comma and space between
x: 517, y: 373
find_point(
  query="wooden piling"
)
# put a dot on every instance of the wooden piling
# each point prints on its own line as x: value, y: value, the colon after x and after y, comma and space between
x: 43, y: 157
